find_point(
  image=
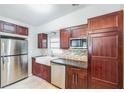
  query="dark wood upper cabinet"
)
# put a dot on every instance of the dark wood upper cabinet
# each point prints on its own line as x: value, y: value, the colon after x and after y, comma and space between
x: 7, y: 27
x: 105, y: 51
x: 64, y: 38
x: 72, y: 32
x: 42, y: 40
x: 112, y: 20
x: 13, y: 28
x: 76, y: 78
x: 22, y: 30
x: 79, y: 31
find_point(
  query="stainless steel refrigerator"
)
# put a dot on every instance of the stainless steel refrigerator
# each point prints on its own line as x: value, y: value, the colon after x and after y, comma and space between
x: 14, y: 60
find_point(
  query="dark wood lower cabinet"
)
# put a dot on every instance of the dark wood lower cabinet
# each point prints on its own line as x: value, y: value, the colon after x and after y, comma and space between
x: 36, y: 69
x: 76, y: 78
x: 40, y: 70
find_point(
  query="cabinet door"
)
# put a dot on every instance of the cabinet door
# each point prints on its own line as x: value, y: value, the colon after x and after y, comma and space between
x: 8, y: 27
x: 112, y: 20
x: 104, y: 60
x: 22, y: 30
x: 80, y: 78
x: 76, y: 78
x: 81, y: 81
x: 42, y: 40
x: 79, y: 31
x: 46, y: 73
x: 45, y: 41
x: 70, y: 79
x: 37, y: 69
x: 64, y: 38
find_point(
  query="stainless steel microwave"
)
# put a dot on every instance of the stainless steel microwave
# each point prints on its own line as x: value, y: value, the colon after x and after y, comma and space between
x: 78, y: 42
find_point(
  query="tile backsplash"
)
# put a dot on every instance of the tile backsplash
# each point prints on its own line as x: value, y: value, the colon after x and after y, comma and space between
x: 73, y: 54
x: 44, y: 52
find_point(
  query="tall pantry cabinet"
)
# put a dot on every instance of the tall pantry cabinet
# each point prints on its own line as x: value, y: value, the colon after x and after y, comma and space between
x: 106, y: 51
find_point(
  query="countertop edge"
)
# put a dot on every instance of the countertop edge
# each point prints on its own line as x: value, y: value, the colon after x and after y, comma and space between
x: 52, y: 61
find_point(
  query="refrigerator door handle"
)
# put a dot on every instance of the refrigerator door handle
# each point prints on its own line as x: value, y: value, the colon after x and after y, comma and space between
x: 3, y: 62
x: 3, y: 59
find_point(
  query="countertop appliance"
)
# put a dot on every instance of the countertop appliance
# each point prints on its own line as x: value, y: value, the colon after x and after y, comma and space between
x: 14, y: 60
x: 78, y: 42
x: 58, y: 75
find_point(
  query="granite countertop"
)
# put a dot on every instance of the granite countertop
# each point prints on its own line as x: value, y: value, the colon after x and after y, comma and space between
x: 81, y: 64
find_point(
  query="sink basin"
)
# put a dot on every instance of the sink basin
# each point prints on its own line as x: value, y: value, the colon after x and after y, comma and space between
x: 45, y: 60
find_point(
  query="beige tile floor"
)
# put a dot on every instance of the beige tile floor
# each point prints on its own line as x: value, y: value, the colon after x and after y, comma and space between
x: 31, y: 82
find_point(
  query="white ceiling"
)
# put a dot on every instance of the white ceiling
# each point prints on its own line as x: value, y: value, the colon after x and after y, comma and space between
x: 36, y: 15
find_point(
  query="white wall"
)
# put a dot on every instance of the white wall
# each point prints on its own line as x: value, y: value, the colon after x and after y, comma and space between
x: 32, y: 47
x: 78, y: 17
x: 13, y: 21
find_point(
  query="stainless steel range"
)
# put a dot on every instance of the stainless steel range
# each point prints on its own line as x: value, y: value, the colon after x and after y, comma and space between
x: 14, y: 60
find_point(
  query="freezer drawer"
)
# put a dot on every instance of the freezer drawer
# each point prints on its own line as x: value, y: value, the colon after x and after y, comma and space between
x: 13, y: 68
x: 58, y: 75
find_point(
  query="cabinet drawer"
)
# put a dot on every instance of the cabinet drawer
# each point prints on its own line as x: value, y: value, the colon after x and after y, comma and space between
x: 76, y: 69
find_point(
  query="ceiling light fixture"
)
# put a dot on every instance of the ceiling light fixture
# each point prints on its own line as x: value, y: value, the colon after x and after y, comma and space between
x: 41, y: 8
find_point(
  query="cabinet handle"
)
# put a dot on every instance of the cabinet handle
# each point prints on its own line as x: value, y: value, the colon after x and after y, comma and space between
x: 77, y: 79
x: 3, y: 61
x: 73, y: 78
